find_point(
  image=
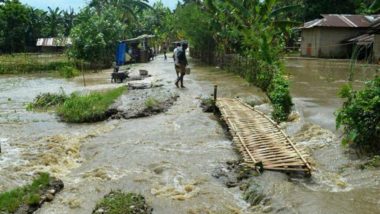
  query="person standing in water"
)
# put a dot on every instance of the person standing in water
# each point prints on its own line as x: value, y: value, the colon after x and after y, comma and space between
x: 182, y: 61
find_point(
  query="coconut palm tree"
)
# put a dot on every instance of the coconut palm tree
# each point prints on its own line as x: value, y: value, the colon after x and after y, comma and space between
x: 54, y: 21
x: 68, y: 20
x: 128, y: 8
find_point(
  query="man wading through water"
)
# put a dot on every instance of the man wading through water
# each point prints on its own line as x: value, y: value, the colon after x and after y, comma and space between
x: 182, y: 63
x: 176, y: 65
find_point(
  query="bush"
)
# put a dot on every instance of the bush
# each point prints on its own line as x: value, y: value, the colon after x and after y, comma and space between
x: 119, y: 202
x: 278, y: 93
x: 360, y: 116
x: 88, y: 108
x: 68, y: 72
x: 46, y: 101
x: 29, y: 194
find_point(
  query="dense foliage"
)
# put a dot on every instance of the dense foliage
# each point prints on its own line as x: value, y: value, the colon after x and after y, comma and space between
x: 95, y: 36
x: 21, y: 25
x: 360, y: 116
x: 251, y: 30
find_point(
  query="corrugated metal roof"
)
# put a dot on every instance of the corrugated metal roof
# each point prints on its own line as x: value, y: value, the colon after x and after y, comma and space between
x: 347, y: 21
x: 53, y: 42
x: 364, y: 39
x: 145, y: 36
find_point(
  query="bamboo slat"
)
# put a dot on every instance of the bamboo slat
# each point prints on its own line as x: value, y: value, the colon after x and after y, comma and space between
x: 259, y: 139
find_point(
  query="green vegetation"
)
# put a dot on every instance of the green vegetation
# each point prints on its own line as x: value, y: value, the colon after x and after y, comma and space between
x: 29, y: 194
x: 21, y: 25
x: 47, y: 101
x: 88, y: 108
x: 248, y: 41
x: 279, y: 95
x: 360, y: 116
x: 96, y: 35
x: 126, y: 203
x: 373, y: 163
x: 68, y: 72
x: 151, y: 102
x: 29, y: 63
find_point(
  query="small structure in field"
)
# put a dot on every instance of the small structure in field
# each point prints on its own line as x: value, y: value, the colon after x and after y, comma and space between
x: 368, y: 43
x: 55, y: 44
x: 326, y: 37
x: 140, y: 48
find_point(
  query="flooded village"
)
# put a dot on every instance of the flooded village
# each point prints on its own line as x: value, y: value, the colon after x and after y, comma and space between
x: 197, y: 107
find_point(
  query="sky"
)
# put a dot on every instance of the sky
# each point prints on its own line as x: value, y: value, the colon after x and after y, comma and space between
x: 76, y: 4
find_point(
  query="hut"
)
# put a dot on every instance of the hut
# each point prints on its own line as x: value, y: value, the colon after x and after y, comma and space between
x: 139, y: 48
x: 53, y: 44
x: 325, y: 37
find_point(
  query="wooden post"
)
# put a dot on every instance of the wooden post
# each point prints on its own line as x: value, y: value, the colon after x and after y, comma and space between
x: 84, y: 79
x: 215, y: 97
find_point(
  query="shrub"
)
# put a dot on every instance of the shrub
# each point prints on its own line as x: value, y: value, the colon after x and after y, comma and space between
x: 12, y: 200
x: 119, y: 202
x: 360, y: 116
x: 68, y: 72
x: 88, y: 108
x: 47, y: 100
x: 278, y: 93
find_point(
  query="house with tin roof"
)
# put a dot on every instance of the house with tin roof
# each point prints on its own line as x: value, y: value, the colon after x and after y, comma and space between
x: 327, y: 37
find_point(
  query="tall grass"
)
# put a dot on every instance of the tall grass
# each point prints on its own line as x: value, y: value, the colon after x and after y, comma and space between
x: 88, y: 108
x: 29, y: 194
x: 30, y: 63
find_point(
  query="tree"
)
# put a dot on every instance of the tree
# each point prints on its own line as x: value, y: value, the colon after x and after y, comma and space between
x: 36, y: 27
x: 13, y: 25
x: 54, y: 21
x: 127, y: 8
x: 95, y: 36
x: 68, y: 21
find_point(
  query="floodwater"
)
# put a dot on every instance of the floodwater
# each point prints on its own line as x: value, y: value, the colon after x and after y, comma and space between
x: 170, y: 157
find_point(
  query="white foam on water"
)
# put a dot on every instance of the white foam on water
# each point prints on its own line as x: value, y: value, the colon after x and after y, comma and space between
x: 9, y: 155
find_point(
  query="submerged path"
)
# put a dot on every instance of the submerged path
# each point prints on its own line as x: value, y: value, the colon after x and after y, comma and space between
x: 261, y: 142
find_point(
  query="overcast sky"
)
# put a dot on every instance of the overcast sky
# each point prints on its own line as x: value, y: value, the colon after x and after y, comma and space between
x: 76, y: 4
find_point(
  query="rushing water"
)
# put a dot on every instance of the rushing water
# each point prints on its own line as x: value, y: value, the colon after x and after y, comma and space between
x: 169, y: 158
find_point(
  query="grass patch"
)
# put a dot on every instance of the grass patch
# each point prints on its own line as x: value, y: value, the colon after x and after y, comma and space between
x: 150, y: 103
x: 47, y: 101
x: 11, y: 201
x: 31, y: 63
x: 126, y: 203
x: 68, y: 72
x: 88, y: 108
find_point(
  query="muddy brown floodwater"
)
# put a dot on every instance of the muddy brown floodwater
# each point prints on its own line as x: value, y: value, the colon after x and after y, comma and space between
x: 170, y: 157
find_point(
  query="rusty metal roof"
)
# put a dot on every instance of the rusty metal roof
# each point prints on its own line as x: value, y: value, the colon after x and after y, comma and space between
x: 364, y: 39
x: 346, y: 21
x: 53, y: 42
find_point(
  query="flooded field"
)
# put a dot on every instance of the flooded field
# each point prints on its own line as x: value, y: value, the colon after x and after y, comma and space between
x: 170, y: 158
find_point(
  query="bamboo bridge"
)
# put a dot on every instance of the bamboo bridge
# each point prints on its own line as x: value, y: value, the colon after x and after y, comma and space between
x: 259, y: 139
